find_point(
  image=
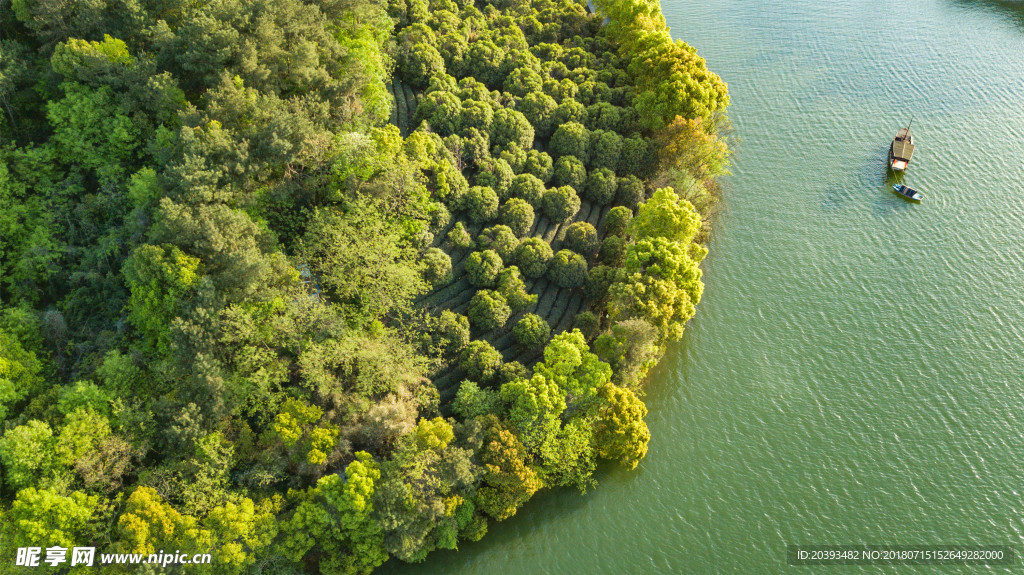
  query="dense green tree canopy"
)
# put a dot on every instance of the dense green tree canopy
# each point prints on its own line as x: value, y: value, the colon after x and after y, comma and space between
x: 245, y: 248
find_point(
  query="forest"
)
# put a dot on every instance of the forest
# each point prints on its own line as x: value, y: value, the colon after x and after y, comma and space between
x: 315, y: 285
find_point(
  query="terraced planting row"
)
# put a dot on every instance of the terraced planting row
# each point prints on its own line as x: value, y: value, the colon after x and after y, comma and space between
x: 404, y: 108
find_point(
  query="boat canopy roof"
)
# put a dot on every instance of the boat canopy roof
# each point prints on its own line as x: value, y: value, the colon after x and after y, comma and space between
x: 902, y: 149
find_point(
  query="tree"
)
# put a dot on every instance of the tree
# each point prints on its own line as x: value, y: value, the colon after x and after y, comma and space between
x: 471, y: 401
x: 568, y: 269
x: 569, y: 364
x: 531, y: 331
x: 538, y: 109
x: 48, y: 517
x: 27, y: 454
x: 532, y: 257
x: 511, y: 127
x: 511, y: 286
x: 450, y: 332
x: 421, y: 62
x: 605, y: 149
x: 571, y: 139
x: 488, y: 310
x: 89, y: 127
x: 568, y: 457
x: 631, y: 347
x: 686, y: 144
x: 459, y: 237
x: 529, y: 188
x: 601, y: 186
x: 438, y: 267
x: 508, y: 480
x: 569, y: 171
x: 481, y: 361
x: 337, y: 518
x: 581, y: 237
x: 620, y: 432
x: 363, y: 261
x: 534, y: 407
x: 20, y: 373
x: 613, y: 251
x: 630, y: 192
x: 667, y: 216
x: 496, y: 174
x: 561, y: 204
x: 518, y: 215
x: 660, y: 283
x: 160, y: 280
x: 441, y: 110
x: 148, y: 524
x: 482, y: 268
x: 480, y: 204
x: 588, y: 324
x: 538, y: 164
x: 617, y: 222
x: 501, y: 239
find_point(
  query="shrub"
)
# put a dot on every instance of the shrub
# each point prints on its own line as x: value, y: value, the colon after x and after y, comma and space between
x: 528, y: 188
x: 601, y: 186
x: 480, y: 204
x: 481, y: 361
x: 459, y: 237
x: 561, y: 204
x: 539, y: 164
x: 532, y: 257
x: 568, y: 269
x: 531, y: 331
x: 571, y: 139
x: 438, y: 266
x: 616, y: 223
x: 569, y: 171
x: 488, y: 310
x: 613, y: 251
x: 518, y: 215
x: 588, y: 324
x: 482, y: 268
x: 581, y: 237
x: 500, y: 239
x: 630, y: 192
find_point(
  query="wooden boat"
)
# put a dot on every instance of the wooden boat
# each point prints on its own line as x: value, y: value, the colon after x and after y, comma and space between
x: 901, y: 149
x: 908, y: 192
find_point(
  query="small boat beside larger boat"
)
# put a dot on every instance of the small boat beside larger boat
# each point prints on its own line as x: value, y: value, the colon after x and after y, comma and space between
x: 901, y: 149
x: 908, y: 192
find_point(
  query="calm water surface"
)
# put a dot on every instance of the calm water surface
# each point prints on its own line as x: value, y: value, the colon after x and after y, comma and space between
x: 854, y: 372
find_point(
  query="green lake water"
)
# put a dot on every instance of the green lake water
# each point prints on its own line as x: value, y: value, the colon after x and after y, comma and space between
x: 854, y: 371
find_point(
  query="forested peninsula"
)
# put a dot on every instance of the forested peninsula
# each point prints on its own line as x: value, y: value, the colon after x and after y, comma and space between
x: 312, y: 285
